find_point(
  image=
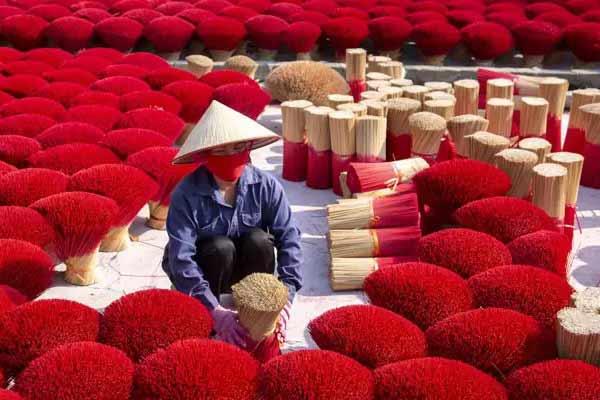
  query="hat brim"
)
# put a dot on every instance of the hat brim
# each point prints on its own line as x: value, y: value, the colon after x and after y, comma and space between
x: 198, y: 156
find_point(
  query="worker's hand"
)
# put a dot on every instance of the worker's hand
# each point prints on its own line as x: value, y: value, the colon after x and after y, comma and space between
x: 228, y: 328
x: 284, y: 317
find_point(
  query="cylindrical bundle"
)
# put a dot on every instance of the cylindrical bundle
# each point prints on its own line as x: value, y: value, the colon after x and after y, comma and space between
x: 549, y: 187
x: 358, y: 109
x: 500, y: 88
x: 541, y: 147
x: 295, y: 151
x: 375, y: 85
x: 518, y: 165
x: 335, y: 100
x: 387, y: 242
x: 372, y: 95
x: 376, y: 108
x: 390, y: 92
x: 534, y: 114
x: 342, y: 128
x: 370, y: 139
x: 462, y: 126
x: 443, y: 108
x: 587, y: 300
x: 395, y: 69
x: 378, y: 76
x: 374, y: 61
x: 402, y: 82
x: 356, y: 71
x: 399, y: 210
x: 438, y: 86
x: 500, y: 114
x: 466, y: 92
x: 426, y: 131
x: 483, y: 146
x: 243, y: 64
x: 350, y: 273
x: 396, y: 189
x: 415, y: 92
x: 438, y: 95
x: 199, y: 65
x: 554, y: 90
x: 398, y: 130
x: 575, y: 138
x: 366, y: 177
x: 318, y: 172
x: 573, y: 162
x: 590, y: 175
x: 578, y: 335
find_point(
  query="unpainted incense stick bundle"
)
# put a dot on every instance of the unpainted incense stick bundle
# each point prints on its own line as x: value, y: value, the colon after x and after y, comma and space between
x: 378, y: 76
x: 374, y: 61
x: 587, y: 300
x: 466, y: 92
x: 376, y: 108
x: 415, y: 92
x: 534, y: 114
x: 575, y: 138
x: 438, y: 86
x: 437, y: 95
x: 578, y: 335
x: 398, y: 129
x: 500, y: 88
x: 199, y: 65
x: 342, y: 127
x: 395, y: 69
x: 356, y: 71
x: 549, y: 187
x: 541, y: 147
x: 518, y: 165
x: 375, y: 85
x: 370, y: 139
x: 483, y: 146
x: 366, y: 177
x: 243, y: 64
x: 426, y: 130
x: 443, y: 108
x: 387, y: 242
x: 464, y: 125
x: 401, y: 82
x: 318, y: 173
x: 554, y: 90
x: 295, y: 151
x: 372, y: 95
x: 358, y: 109
x: 390, y: 92
x: 259, y: 299
x: 335, y: 100
x: 350, y: 273
x: 499, y: 112
x: 590, y: 176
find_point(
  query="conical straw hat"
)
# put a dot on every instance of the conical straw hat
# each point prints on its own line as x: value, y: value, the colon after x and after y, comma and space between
x: 221, y: 125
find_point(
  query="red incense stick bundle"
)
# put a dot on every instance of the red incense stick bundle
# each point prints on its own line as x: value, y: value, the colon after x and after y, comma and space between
x: 318, y: 172
x: 247, y: 99
x: 124, y: 142
x: 159, y: 77
x: 120, y: 33
x: 295, y: 150
x: 70, y: 158
x: 554, y: 90
x: 435, y: 39
x: 267, y: 32
x: 33, y: 105
x: 62, y: 92
x: 301, y: 38
x: 389, y: 34
x: 25, y: 267
x: 25, y: 186
x: 104, y: 117
x: 69, y: 132
x: 149, y: 98
x: 370, y: 139
x: 399, y: 140
x: 23, y: 223
x: 356, y: 71
x: 536, y: 39
x: 221, y: 36
x: 345, y: 33
x: 29, y: 125
x: 575, y: 139
x: 365, y: 177
x: 70, y: 33
x: 342, y: 127
x: 16, y: 150
x: 161, y: 121
x: 169, y: 35
x: 387, y: 242
x: 350, y: 273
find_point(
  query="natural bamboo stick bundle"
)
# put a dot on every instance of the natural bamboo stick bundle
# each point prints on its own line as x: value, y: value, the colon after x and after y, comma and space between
x: 554, y: 90
x: 483, y: 146
x: 391, y: 92
x: 335, y: 100
x: 437, y: 86
x: 259, y: 299
x: 376, y: 108
x: 549, y: 187
x: 518, y: 165
x: 402, y: 82
x: 426, y: 130
x: 342, y: 127
x: 356, y: 71
x: 499, y: 113
x: 318, y: 174
x: 243, y: 64
x: 573, y: 162
x: 437, y: 95
x: 375, y: 85
x: 374, y: 61
x: 415, y: 92
x: 591, y: 119
x: 398, y: 128
x: 367, y: 177
x: 387, y: 242
x: 358, y: 109
x: 578, y: 335
x: 575, y: 138
x: 350, y: 273
x: 370, y: 139
x: 590, y: 176
x: 295, y: 151
x: 500, y: 88
x: 587, y: 300
x: 378, y: 76
x: 466, y: 92
x: 534, y: 114
x: 372, y: 95
x: 464, y: 125
x: 395, y: 69
x: 541, y: 147
x: 199, y: 65
x: 443, y: 108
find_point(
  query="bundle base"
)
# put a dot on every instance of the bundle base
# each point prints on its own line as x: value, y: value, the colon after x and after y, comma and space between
x: 221, y: 55
x: 259, y: 324
x: 117, y: 239
x: 81, y: 270
x: 158, y: 216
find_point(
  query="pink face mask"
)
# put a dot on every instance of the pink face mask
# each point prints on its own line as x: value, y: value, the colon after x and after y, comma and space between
x: 228, y: 167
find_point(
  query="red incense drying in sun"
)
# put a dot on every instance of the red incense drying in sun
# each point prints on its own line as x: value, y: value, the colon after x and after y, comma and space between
x: 22, y: 85
x: 62, y: 92
x: 103, y: 117
x: 94, y: 98
x: 345, y: 33
x: 435, y: 40
x: 301, y: 38
x: 70, y: 33
x: 246, y: 99
x: 23, y: 223
x: 149, y: 98
x: 106, y: 53
x: 90, y: 63
x: 120, y: 85
x: 487, y: 40
x: 25, y: 267
x: 160, y: 77
x: 33, y: 105
x: 25, y: 186
x: 143, y: 15
x: 144, y: 59
x: 283, y: 10
x: 75, y: 75
x: 119, y: 32
x: 16, y: 150
x: 221, y: 36
x: 314, y: 17
x: 195, y: 16
x: 169, y: 34
x: 195, y: 97
x: 583, y: 39
x: 24, y: 31
x: 69, y: 132
x: 173, y: 7
x: 6, y: 168
x: 544, y: 249
x: 51, y: 56
x: 10, y: 298
x: 8, y: 54
x: 30, y: 67
x: 70, y: 158
x: 535, y: 39
x: 463, y: 18
x: 241, y: 14
x: 389, y: 33
x: 122, y: 6
x: 50, y: 12
x: 161, y: 121
x: 93, y: 15
x: 123, y: 70
x: 124, y: 142
x: 266, y: 31
x: 28, y: 125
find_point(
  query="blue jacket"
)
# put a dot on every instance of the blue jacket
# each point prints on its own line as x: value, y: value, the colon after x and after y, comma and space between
x: 198, y: 210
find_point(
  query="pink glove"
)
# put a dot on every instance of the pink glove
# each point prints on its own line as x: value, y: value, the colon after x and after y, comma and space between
x: 284, y: 317
x: 228, y: 328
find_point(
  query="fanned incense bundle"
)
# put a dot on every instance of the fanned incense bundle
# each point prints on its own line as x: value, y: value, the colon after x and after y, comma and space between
x: 350, y: 273
x: 390, y: 92
x: 318, y: 171
x: 575, y: 138
x: 370, y: 139
x: 466, y: 92
x: 401, y: 82
x: 549, y: 187
x: 387, y: 242
x: 372, y: 95
x: 25, y: 186
x: 366, y: 177
x: 259, y: 299
x: 590, y: 175
x: 358, y: 109
x: 483, y: 146
x: 376, y: 108
x: 416, y: 92
x: 499, y: 113
x: 541, y: 147
x: 518, y: 165
x: 295, y: 151
x: 356, y: 71
x: 462, y: 126
x: 199, y: 65
x: 399, y: 210
x: 573, y: 162
x: 554, y: 90
x: 399, y: 139
x: 578, y: 335
x: 342, y: 126
x: 375, y: 85
x: 426, y: 130
x: 534, y: 114
x: 335, y: 100
x: 443, y: 108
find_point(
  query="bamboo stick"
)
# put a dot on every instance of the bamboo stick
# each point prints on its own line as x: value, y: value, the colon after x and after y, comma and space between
x: 541, y: 147
x: 370, y: 138
x: 415, y: 92
x: 342, y: 126
x: 395, y: 69
x: 580, y: 98
x: 500, y: 88
x: 399, y: 111
x: 464, y: 125
x: 436, y: 86
x: 443, y: 108
x: 350, y: 273
x: 587, y: 300
x: 437, y: 95
x: 534, y: 114
x: 573, y: 162
x: 549, y: 185
x: 378, y: 76
x: 376, y: 108
x: 499, y: 113
x: 483, y: 146
x: 199, y: 65
x: 375, y: 85
x: 390, y: 92
x: 293, y: 120
x: 374, y: 61
x: 467, y: 96
x: 401, y: 82
x: 335, y: 100
x: 372, y: 95
x: 518, y: 165
x: 591, y: 115
x: 317, y: 128
x: 360, y: 110
x: 356, y: 64
x: 578, y: 335
x: 554, y: 90
x: 426, y: 130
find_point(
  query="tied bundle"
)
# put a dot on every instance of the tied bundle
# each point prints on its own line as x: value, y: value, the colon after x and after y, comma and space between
x: 401, y: 83
x: 395, y: 69
x: 370, y: 139
x: 358, y: 109
x: 442, y: 107
x: 549, y: 189
x: 199, y: 65
x: 377, y: 84
x: 398, y: 140
x: 356, y: 71
x: 466, y: 92
x: 518, y: 165
x: 295, y: 151
x: 500, y: 113
x: 221, y: 36
x: 463, y: 125
x: 483, y: 146
x: 376, y: 108
x: 590, y: 175
x: 575, y: 138
x: 366, y: 177
x: 374, y: 62
x: 342, y: 127
x: 541, y: 147
x: 415, y: 92
x: 438, y: 86
x: 372, y: 95
x: 390, y: 92
x: 426, y: 130
x: 578, y: 330
x: 318, y: 171
x: 439, y: 95
x: 386, y: 242
x: 533, y: 119
x: 243, y: 64
x: 379, y: 76
x: 350, y: 273
x: 335, y: 100
x: 554, y: 90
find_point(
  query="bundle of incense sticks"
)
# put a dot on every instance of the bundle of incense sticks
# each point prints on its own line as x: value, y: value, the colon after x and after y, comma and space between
x: 391, y: 92
x: 398, y: 210
x: 199, y: 65
x: 335, y: 100
x: 534, y: 116
x: 395, y: 69
x: 402, y: 82
x: 578, y: 335
x: 386, y: 242
x: 366, y: 177
x: 342, y: 128
x: 398, y: 130
x: 483, y: 146
x: 438, y: 86
x: 295, y: 151
x: 350, y: 273
x: 372, y: 95
x: 376, y: 108
x: 573, y: 162
x: 378, y: 76
x: 549, y: 189
x: 500, y: 88
x: 590, y: 176
x: 356, y: 71
x: 426, y: 130
x: 415, y: 92
x: 318, y: 171
x: 444, y: 107
x: 541, y: 147
x: 554, y: 90
x: 466, y: 92
x: 575, y: 138
x: 358, y: 109
x: 518, y: 165
x: 375, y: 85
x: 397, y: 189
x: 370, y: 139
x: 462, y: 126
x: 499, y: 113
x: 438, y: 95
x: 374, y: 61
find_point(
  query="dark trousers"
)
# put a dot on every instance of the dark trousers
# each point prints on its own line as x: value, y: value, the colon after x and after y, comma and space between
x: 226, y: 261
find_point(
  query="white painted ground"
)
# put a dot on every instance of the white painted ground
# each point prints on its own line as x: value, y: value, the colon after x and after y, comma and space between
x: 139, y: 267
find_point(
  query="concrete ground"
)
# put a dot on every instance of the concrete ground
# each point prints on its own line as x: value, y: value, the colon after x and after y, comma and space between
x: 139, y: 267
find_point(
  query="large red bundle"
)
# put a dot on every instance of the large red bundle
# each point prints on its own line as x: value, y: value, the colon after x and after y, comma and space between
x: 529, y: 290
x: 30, y: 67
x: 224, y: 77
x: 93, y: 15
x: 169, y: 34
x: 10, y: 298
x: 62, y: 92
x: 495, y: 340
x: 9, y: 395
x: 214, y: 6
x: 421, y: 17
x: 106, y: 53
x: 125, y: 142
x: 75, y: 75
x: 389, y: 33
x: 51, y: 56
x: 246, y: 99
x: 561, y: 19
x: 580, y: 6
x: 435, y: 40
x: 149, y: 98
x: 69, y: 132
x: 371, y: 335
x: 120, y: 33
x: 591, y: 16
x: 314, y: 17
x: 144, y: 59
x: 26, y: 186
x: 123, y: 70
x: 5, y: 97
x: 427, y: 5
x: 387, y: 11
x: 94, y: 98
x: 33, y: 329
x: 143, y: 322
x: 420, y: 292
x: 544, y: 249
x: 173, y: 7
x: 195, y: 16
x: 301, y: 37
x: 536, y: 38
x: 435, y: 378
x: 350, y: 12
x: 77, y: 371
x: 555, y: 380
x: 326, y: 7
x: 70, y: 158
x: 241, y: 14
x: 120, y: 85
x: 283, y: 10
x: 122, y: 6
x: 103, y: 117
x: 90, y: 63
x: 28, y: 125
x: 33, y: 105
x: 213, y: 368
x: 8, y: 54
x: 345, y: 33
x: 25, y: 267
x: 542, y: 7
x: 70, y: 33
x: 161, y: 121
x: 25, y: 224
x: 158, y: 78
x: 24, y: 31
x: 366, y: 177
x: 505, y: 218
x: 487, y: 40
x: 221, y: 33
x: 583, y: 40
x: 195, y: 97
x: 22, y: 85
x: 143, y: 15
x: 462, y: 18
x: 16, y: 150
x: 9, y: 11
